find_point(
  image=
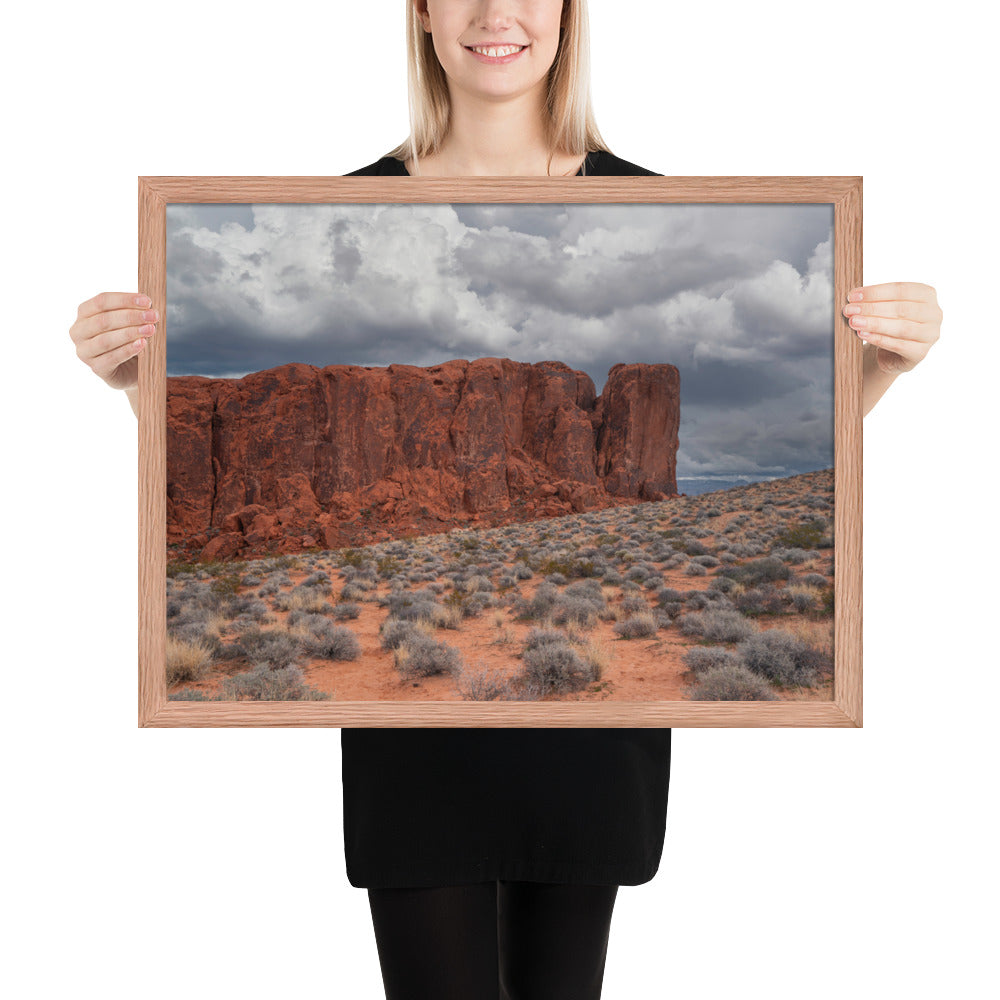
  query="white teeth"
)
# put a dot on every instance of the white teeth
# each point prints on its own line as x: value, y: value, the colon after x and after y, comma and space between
x: 505, y: 50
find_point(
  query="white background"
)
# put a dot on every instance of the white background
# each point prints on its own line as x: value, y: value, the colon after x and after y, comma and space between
x: 160, y: 863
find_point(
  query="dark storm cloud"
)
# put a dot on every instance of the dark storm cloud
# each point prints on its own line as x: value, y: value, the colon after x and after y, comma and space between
x: 740, y: 386
x: 192, y: 264
x: 738, y: 297
x: 542, y: 273
x: 209, y: 216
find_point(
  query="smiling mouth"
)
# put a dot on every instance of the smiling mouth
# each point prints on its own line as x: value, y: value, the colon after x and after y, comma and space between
x: 495, y: 51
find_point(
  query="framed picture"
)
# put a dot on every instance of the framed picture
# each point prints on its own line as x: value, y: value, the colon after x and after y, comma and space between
x: 500, y: 452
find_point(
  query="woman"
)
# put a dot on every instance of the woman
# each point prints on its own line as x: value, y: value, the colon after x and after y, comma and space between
x: 493, y: 857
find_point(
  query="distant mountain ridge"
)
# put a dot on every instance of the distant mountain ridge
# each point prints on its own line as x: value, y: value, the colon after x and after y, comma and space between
x: 299, y: 456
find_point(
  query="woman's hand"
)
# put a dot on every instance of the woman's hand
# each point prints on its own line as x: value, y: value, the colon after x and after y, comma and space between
x: 902, y: 319
x: 109, y: 332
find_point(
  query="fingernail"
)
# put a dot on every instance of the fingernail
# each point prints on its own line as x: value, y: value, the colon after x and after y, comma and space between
x: 851, y: 310
x: 143, y: 300
x: 855, y: 295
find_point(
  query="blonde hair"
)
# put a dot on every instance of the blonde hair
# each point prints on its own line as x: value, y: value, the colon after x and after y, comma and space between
x: 570, y: 124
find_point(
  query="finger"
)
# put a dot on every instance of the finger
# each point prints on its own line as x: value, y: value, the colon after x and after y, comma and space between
x: 114, y: 319
x: 911, y: 350
x: 96, y: 348
x: 893, y: 290
x: 903, y: 329
x: 107, y: 363
x: 104, y: 301
x: 918, y: 312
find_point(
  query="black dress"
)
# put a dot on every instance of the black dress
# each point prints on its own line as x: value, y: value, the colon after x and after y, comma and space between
x: 444, y: 806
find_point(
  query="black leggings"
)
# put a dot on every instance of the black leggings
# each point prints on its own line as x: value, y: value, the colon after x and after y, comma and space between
x: 493, y: 940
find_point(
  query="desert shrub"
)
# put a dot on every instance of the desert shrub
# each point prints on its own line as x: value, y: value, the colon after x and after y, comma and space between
x: 695, y: 569
x: 590, y: 589
x: 745, y: 549
x: 576, y: 609
x: 387, y: 566
x: 662, y: 619
x: 723, y: 584
x: 802, y: 598
x: 731, y: 683
x: 352, y: 592
x: 540, y: 603
x: 449, y: 616
x: 479, y: 584
x: 780, y: 657
x: 814, y: 580
x: 198, y: 632
x: 301, y: 599
x: 709, y: 561
x: 766, y: 570
x: 262, y: 683
x: 638, y: 572
x: 793, y: 556
x: 413, y: 605
x: 394, y: 631
x: 246, y: 607
x: 332, y: 642
x: 420, y: 655
x: 701, y: 658
x: 717, y: 625
x: 365, y: 575
x: 668, y: 595
x: 597, y: 656
x: 542, y: 636
x: 637, y: 627
x: 696, y: 600
x: 804, y: 535
x: 557, y: 579
x: 557, y: 667
x: 522, y: 571
x: 345, y: 611
x: 760, y: 601
x: 483, y: 684
x: 633, y: 603
x: 186, y: 660
x: 276, y: 649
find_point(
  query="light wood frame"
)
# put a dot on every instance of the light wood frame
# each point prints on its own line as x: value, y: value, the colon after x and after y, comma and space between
x: 844, y: 710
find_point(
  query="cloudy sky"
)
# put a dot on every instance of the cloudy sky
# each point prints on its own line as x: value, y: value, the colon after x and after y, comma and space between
x: 738, y: 297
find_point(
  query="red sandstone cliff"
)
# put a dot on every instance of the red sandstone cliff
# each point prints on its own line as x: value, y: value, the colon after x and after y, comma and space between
x: 300, y: 456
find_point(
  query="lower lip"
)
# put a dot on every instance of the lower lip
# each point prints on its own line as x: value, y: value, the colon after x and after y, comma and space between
x: 497, y: 60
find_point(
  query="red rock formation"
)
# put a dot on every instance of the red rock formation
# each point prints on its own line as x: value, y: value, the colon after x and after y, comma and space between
x: 298, y: 456
x: 637, y: 437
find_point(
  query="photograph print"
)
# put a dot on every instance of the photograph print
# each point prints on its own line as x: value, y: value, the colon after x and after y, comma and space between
x: 500, y: 452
